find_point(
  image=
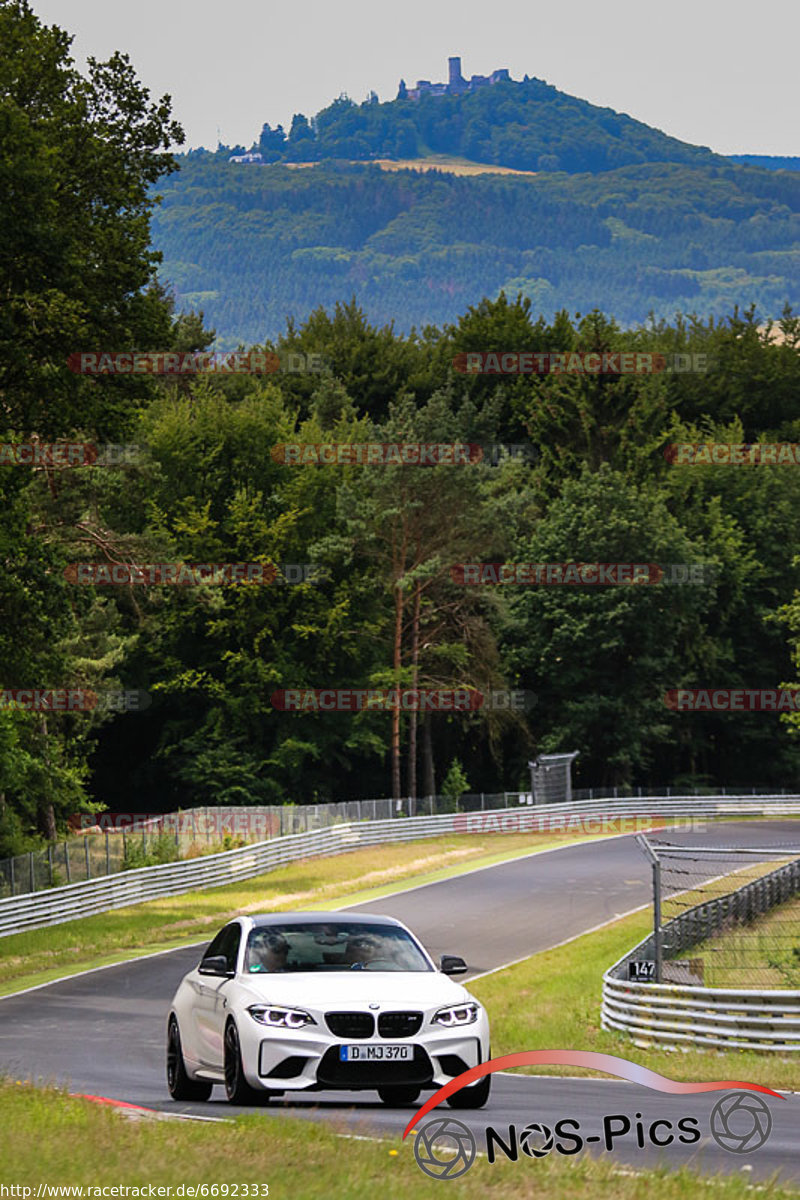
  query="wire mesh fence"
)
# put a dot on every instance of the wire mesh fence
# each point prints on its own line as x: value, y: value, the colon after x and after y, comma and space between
x: 726, y: 917
x: 634, y: 792
x: 118, y: 841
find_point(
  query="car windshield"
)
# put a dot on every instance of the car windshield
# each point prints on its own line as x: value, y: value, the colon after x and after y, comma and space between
x: 339, y: 946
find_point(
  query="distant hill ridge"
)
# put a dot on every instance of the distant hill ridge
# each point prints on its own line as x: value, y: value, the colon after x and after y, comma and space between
x: 607, y: 213
x: 528, y: 125
x: 772, y: 162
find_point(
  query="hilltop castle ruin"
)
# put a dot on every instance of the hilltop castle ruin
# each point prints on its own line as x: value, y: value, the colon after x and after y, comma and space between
x: 456, y: 84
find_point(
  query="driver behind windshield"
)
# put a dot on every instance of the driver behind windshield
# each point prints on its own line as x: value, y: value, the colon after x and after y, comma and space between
x: 361, y: 949
x: 268, y: 952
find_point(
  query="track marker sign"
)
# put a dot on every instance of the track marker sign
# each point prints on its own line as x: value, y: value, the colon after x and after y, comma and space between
x: 642, y: 970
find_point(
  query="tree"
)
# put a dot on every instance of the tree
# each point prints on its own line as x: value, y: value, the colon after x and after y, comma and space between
x: 300, y: 130
x: 455, y: 783
x: 411, y: 523
x: 272, y: 142
x: 80, y: 156
x: 601, y: 658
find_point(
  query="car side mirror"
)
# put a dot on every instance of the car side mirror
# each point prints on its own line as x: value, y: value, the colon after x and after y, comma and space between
x: 452, y: 964
x: 217, y: 964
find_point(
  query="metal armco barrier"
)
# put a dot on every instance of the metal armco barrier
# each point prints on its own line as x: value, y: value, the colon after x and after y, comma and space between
x: 732, y: 1018
x: 728, y: 1018
x: 76, y: 900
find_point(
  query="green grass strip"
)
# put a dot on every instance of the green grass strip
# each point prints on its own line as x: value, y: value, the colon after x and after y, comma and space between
x: 57, y: 1140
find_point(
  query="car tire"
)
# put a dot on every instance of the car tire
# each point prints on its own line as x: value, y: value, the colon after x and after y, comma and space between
x: 237, y: 1089
x: 397, y: 1096
x: 180, y: 1086
x: 472, y: 1097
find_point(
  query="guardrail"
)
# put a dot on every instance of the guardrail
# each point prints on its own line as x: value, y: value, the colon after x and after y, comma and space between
x: 149, y: 883
x: 735, y: 1018
x: 110, y: 840
x: 72, y: 901
x: 727, y: 1018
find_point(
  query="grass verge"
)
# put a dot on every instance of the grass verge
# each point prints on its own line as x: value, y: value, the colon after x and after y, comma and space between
x: 38, y: 956
x: 552, y: 1001
x: 765, y: 953
x: 55, y: 1139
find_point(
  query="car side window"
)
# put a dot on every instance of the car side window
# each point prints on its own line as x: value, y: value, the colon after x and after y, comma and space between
x: 226, y: 944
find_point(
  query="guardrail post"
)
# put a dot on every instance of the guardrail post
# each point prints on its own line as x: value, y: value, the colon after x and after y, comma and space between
x: 86, y: 856
x: 657, y: 935
x: 66, y: 861
x: 50, y: 860
x: 108, y: 853
x: 657, y: 932
x: 11, y: 864
x: 30, y: 866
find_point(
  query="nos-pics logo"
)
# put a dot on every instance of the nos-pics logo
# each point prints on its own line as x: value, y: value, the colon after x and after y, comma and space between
x: 444, y: 1148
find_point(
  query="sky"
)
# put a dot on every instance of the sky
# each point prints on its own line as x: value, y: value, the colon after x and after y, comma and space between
x: 718, y: 73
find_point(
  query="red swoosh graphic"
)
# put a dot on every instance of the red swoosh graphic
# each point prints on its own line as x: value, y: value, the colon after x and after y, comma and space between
x: 610, y: 1063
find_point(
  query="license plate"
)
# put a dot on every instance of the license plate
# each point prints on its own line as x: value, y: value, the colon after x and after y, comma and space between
x: 376, y: 1053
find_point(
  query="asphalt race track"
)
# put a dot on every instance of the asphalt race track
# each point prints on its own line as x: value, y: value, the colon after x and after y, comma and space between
x: 102, y: 1033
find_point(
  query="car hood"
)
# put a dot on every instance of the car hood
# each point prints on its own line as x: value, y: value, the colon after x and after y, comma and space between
x: 389, y: 989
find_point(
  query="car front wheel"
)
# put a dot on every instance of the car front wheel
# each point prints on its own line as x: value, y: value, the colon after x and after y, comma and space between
x: 237, y: 1089
x: 472, y: 1097
x: 181, y: 1087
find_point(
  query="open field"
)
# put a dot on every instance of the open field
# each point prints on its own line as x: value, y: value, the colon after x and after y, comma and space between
x: 40, y: 955
x: 431, y: 162
x: 51, y: 1138
x: 451, y: 164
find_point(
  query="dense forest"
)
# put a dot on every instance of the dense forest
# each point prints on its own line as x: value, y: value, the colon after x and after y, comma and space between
x: 252, y: 244
x: 383, y: 608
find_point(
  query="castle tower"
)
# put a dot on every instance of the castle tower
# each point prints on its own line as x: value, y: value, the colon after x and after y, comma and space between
x: 455, y: 79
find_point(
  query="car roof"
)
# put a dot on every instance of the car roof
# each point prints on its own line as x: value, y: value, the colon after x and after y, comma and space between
x: 261, y: 920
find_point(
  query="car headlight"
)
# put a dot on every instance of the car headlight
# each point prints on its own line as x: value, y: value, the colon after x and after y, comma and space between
x: 459, y: 1014
x: 278, y: 1017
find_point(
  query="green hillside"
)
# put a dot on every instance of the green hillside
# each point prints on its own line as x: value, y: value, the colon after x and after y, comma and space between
x: 251, y: 244
x: 529, y: 125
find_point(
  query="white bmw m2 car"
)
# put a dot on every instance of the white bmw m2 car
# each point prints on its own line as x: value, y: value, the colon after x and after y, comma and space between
x: 298, y: 1002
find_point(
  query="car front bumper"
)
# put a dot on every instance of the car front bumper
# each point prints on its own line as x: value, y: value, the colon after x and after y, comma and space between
x: 298, y: 1060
